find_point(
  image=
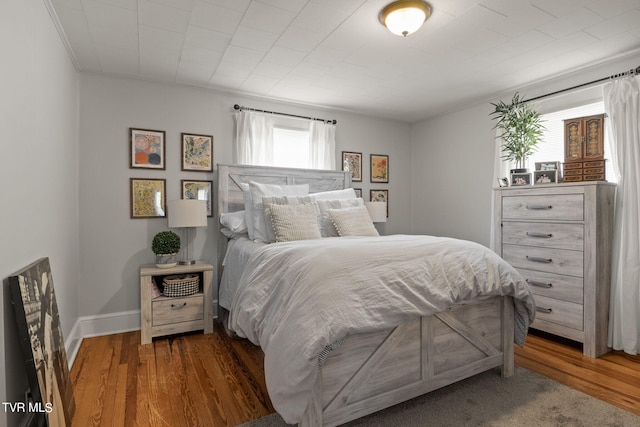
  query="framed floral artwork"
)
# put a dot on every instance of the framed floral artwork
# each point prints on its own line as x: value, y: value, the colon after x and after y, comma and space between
x: 380, y: 196
x: 352, y: 162
x: 147, y: 148
x: 197, y: 152
x: 358, y: 192
x: 198, y: 190
x: 379, y: 168
x: 148, y: 198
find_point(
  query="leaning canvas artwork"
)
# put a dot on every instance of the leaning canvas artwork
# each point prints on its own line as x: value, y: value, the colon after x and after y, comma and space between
x: 42, y: 343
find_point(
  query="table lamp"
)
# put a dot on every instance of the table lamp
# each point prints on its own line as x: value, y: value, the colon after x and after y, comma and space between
x: 187, y: 214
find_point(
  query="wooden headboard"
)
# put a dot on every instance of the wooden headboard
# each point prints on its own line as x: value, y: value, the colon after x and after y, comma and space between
x: 230, y: 199
x: 230, y: 176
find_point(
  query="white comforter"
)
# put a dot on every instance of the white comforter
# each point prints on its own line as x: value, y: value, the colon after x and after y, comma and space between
x: 296, y: 298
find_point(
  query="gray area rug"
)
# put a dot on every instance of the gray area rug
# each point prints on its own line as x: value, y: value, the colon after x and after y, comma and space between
x: 525, y: 399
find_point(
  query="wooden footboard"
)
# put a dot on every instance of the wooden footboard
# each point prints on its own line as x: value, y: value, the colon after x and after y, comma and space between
x: 373, y: 371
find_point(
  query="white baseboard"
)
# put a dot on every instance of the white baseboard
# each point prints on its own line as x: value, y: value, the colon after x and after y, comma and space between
x: 105, y: 324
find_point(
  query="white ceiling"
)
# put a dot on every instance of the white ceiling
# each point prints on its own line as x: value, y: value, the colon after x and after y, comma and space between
x: 335, y: 53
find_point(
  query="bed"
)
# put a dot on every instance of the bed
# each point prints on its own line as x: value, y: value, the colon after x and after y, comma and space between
x: 339, y: 363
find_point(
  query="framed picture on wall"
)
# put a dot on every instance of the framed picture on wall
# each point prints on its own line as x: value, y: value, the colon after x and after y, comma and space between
x: 198, y: 190
x: 197, y: 152
x: 352, y: 162
x: 147, y: 148
x: 379, y: 168
x: 380, y: 196
x: 358, y: 192
x: 148, y: 198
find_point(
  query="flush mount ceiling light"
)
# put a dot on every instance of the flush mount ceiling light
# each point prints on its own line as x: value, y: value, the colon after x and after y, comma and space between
x: 404, y: 17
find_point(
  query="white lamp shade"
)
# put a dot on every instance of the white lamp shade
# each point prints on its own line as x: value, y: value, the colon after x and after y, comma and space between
x: 187, y: 213
x: 377, y: 211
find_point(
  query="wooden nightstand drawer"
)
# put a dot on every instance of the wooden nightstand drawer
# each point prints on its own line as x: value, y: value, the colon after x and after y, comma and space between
x: 558, y: 286
x: 567, y: 207
x: 559, y: 312
x: 174, y: 310
x: 544, y: 234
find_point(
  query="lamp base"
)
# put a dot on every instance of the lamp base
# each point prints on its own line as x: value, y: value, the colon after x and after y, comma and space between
x: 187, y: 262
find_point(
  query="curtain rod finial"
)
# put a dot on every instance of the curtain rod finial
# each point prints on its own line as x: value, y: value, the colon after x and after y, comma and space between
x: 236, y: 107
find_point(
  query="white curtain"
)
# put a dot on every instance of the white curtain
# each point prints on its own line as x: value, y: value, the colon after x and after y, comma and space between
x: 254, y: 138
x: 622, y: 105
x: 322, y: 145
x: 501, y: 169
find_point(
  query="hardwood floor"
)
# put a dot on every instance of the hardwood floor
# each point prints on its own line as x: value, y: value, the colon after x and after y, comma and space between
x: 213, y: 380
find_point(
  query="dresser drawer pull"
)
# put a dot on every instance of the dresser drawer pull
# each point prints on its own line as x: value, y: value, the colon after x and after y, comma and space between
x: 539, y: 207
x: 538, y: 259
x: 543, y: 310
x: 539, y: 284
x: 541, y: 235
x: 184, y: 304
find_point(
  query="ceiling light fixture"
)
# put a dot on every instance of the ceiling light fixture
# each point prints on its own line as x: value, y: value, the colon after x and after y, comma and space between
x: 404, y: 17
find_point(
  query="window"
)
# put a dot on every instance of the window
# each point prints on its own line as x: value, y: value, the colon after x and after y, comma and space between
x: 290, y: 147
x: 552, y: 146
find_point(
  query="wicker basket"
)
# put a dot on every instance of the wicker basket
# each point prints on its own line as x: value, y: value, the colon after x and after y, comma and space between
x: 181, y: 285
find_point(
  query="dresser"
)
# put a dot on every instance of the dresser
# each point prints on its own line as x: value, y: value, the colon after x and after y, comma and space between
x: 559, y: 238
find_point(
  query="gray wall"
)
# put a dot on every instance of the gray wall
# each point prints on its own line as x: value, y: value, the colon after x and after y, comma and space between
x: 113, y: 245
x: 453, y: 156
x: 38, y: 172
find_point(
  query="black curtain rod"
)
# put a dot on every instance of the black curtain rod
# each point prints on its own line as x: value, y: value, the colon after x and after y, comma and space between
x: 240, y: 108
x: 631, y: 72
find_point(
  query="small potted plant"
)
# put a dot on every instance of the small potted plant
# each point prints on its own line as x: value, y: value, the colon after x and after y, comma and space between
x: 166, y: 245
x: 520, y: 127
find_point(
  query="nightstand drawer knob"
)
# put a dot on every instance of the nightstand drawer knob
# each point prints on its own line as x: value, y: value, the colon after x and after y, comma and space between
x: 539, y: 207
x: 543, y: 310
x: 540, y: 235
x: 184, y: 304
x: 539, y: 284
x: 539, y: 259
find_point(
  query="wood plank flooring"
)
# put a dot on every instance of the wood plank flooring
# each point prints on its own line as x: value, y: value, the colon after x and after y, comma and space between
x: 213, y: 380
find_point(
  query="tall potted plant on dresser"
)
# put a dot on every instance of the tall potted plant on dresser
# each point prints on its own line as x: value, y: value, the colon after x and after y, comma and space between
x: 520, y: 127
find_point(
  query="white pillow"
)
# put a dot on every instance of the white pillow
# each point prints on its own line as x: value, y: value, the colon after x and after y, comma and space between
x: 248, y: 208
x: 284, y: 200
x: 347, y: 193
x: 327, y: 229
x: 258, y: 191
x: 234, y: 221
x: 294, y: 222
x: 353, y: 222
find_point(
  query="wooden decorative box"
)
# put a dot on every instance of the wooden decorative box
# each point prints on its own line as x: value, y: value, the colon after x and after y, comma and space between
x: 584, y: 149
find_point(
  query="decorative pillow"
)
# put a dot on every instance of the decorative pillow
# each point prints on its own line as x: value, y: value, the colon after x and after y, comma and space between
x: 284, y: 200
x: 258, y: 191
x: 347, y: 193
x: 234, y: 221
x: 327, y: 229
x: 353, y: 222
x: 295, y: 222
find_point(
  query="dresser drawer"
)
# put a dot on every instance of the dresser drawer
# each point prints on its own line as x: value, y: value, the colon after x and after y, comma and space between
x: 566, y: 207
x: 559, y: 312
x: 544, y: 234
x: 174, y: 310
x: 559, y: 261
x: 557, y: 286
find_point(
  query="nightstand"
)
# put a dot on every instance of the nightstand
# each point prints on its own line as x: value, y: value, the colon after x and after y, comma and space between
x: 167, y: 315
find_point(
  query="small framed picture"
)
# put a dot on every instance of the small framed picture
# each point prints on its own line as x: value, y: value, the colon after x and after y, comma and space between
x: 358, y: 192
x: 379, y: 168
x: 197, y: 152
x: 148, y: 198
x: 198, y: 190
x: 503, y: 182
x: 147, y: 148
x: 352, y: 162
x: 520, y: 179
x: 547, y: 166
x: 545, y: 177
x: 380, y: 196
